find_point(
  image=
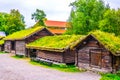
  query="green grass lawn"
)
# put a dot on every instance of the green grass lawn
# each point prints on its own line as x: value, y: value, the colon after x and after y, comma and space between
x: 109, y: 76
x: 60, y: 67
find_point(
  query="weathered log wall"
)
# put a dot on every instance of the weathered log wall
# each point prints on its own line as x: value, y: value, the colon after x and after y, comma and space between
x: 53, y: 56
x: 20, y: 48
x: 7, y: 46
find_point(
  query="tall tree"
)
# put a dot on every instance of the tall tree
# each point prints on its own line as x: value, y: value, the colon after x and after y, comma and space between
x: 111, y: 21
x: 16, y: 21
x: 11, y: 22
x: 86, y: 15
x: 39, y: 16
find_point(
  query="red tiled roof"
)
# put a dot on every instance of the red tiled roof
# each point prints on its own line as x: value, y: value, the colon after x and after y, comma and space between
x: 57, y: 31
x: 55, y: 23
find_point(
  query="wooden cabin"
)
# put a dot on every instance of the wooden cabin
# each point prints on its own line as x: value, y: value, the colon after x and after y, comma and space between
x: 54, y: 48
x: 16, y: 42
x: 99, y: 51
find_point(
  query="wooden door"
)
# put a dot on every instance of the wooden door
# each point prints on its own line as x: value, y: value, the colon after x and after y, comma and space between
x: 95, y: 56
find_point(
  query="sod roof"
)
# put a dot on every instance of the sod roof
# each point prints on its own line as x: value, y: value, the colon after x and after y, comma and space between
x: 56, y: 43
x: 1, y: 42
x: 110, y: 41
x: 19, y: 35
x: 2, y: 37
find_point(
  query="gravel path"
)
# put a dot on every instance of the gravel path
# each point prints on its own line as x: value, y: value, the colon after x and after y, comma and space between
x: 13, y: 69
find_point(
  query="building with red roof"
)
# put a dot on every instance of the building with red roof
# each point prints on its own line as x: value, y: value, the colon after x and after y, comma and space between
x: 56, y: 27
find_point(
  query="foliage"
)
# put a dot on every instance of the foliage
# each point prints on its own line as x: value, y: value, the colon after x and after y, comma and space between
x: 109, y: 40
x: 109, y: 76
x: 53, y: 43
x: 22, y: 34
x: 11, y: 22
x: 64, y: 68
x: 85, y: 16
x: 39, y: 16
x: 111, y: 21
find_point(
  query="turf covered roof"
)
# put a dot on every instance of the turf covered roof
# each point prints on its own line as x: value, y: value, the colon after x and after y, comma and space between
x: 110, y: 41
x: 56, y: 43
x: 1, y: 42
x: 2, y: 37
x: 19, y: 35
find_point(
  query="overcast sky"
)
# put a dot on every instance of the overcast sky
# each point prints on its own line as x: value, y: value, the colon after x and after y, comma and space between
x: 55, y: 9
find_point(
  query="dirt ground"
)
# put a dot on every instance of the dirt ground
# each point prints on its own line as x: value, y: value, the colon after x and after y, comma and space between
x: 14, y: 69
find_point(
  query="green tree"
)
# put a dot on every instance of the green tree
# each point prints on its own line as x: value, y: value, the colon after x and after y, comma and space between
x: 11, y: 22
x: 15, y: 21
x: 85, y: 16
x: 111, y: 21
x: 39, y: 16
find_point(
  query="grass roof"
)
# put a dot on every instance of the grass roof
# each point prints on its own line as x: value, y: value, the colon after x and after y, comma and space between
x: 2, y: 37
x: 110, y: 41
x: 22, y: 34
x: 56, y: 43
x: 1, y: 42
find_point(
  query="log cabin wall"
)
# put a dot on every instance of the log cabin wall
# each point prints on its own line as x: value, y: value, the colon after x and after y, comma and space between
x: 93, y: 56
x: 37, y: 35
x: 7, y: 46
x: 49, y: 55
x: 20, y: 48
x: 69, y: 56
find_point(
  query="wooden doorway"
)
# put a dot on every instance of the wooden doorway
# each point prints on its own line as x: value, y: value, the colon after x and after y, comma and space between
x: 96, y: 58
x: 12, y: 45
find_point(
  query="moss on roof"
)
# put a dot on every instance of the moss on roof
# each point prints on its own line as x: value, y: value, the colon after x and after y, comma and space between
x: 1, y: 42
x: 22, y: 34
x: 56, y: 43
x: 109, y: 40
x: 2, y: 37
